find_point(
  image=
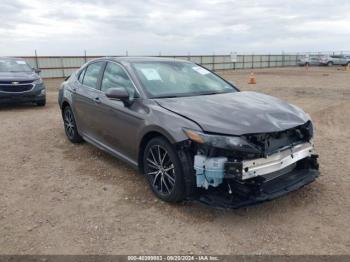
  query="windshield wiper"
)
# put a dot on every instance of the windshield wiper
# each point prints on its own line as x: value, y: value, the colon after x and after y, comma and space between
x: 191, y: 94
x: 156, y: 97
x: 210, y: 93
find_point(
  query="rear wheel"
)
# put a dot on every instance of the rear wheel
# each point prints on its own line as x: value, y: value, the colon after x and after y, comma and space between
x: 163, y: 170
x: 70, y: 126
x: 330, y: 63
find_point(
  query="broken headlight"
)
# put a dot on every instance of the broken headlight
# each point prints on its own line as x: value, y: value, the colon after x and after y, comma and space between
x: 308, y: 130
x: 220, y: 141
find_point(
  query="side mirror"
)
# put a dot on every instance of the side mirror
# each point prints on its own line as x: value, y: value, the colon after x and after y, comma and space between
x: 37, y: 70
x: 118, y: 93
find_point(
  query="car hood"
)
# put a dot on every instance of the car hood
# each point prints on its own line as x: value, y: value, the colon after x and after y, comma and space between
x: 18, y: 76
x: 237, y: 113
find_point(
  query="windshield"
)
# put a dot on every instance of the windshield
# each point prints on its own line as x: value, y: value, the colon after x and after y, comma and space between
x: 13, y: 65
x: 173, y: 79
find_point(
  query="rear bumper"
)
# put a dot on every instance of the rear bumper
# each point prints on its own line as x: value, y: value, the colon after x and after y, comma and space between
x: 258, y: 190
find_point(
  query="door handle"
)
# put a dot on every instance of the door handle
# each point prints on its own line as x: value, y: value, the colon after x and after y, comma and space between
x: 97, y: 100
x: 74, y: 89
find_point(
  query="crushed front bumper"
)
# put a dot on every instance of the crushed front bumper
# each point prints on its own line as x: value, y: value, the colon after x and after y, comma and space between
x: 276, y: 162
x: 235, y: 194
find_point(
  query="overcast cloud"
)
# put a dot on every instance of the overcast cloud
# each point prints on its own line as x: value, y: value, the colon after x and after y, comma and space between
x: 148, y: 27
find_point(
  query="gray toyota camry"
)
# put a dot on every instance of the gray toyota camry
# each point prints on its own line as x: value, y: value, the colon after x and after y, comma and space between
x: 194, y: 135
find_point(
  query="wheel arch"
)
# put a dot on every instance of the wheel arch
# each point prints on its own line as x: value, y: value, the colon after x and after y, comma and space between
x: 145, y: 139
x: 64, y: 104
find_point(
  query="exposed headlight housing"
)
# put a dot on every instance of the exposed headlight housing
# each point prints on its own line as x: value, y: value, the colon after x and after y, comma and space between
x: 220, y: 141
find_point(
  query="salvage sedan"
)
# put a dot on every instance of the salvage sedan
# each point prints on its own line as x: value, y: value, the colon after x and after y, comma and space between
x: 190, y: 132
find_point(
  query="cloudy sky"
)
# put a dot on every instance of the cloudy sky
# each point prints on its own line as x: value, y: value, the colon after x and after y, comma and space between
x: 150, y: 27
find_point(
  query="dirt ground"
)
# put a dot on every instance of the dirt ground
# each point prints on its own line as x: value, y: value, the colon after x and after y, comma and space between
x: 60, y: 198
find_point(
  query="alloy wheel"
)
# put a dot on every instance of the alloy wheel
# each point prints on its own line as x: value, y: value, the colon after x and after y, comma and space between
x: 69, y: 124
x: 161, y: 170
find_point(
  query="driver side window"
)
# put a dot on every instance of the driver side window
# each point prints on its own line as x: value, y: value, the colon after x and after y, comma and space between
x: 115, y: 76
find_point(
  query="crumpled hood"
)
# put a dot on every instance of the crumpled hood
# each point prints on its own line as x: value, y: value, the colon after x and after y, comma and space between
x: 237, y: 113
x: 18, y: 76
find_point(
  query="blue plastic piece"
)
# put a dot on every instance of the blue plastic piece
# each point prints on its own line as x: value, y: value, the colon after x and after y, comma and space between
x: 209, y: 170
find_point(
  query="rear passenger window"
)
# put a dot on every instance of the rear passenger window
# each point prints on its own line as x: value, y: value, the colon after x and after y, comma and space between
x: 91, y: 75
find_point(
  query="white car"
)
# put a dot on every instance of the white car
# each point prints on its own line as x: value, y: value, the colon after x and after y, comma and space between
x: 334, y: 60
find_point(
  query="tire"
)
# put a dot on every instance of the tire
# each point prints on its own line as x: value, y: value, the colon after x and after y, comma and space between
x: 41, y: 103
x: 161, y: 166
x: 330, y: 63
x: 70, y: 126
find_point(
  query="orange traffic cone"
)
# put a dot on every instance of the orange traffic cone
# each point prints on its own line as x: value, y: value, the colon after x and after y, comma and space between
x: 252, y: 79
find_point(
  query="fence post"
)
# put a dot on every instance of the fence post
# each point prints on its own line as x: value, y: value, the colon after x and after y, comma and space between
x: 269, y: 61
x: 213, y: 62
x: 243, y: 61
x: 85, y: 58
x: 36, y: 60
x: 62, y: 66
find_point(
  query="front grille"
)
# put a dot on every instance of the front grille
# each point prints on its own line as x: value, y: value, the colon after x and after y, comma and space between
x: 2, y: 82
x: 16, y: 88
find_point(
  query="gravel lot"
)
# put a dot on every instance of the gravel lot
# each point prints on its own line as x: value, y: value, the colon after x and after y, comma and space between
x: 59, y: 198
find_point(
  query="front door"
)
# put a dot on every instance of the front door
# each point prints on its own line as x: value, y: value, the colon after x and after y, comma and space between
x: 119, y: 124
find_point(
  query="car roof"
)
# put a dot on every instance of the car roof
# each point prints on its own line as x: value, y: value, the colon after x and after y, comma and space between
x: 10, y: 58
x: 133, y: 59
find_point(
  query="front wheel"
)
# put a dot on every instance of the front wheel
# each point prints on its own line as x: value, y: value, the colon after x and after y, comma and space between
x: 70, y: 126
x: 163, y: 170
x: 330, y: 64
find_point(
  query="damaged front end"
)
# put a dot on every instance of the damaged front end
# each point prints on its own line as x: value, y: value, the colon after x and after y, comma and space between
x: 233, y: 171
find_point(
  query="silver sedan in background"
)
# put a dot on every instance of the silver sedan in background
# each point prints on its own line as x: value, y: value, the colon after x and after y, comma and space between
x: 309, y: 61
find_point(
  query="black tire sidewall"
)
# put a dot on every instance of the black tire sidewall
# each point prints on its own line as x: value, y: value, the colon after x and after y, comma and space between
x: 76, y: 138
x: 178, y: 192
x: 41, y: 103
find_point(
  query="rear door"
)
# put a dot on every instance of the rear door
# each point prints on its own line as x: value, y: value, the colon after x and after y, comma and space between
x: 85, y: 98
